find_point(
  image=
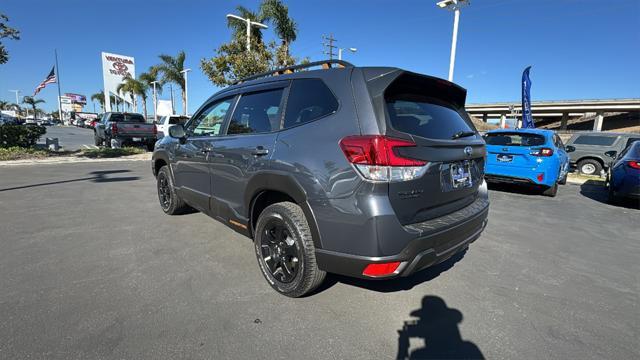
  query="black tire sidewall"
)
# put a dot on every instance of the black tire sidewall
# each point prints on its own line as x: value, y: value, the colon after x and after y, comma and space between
x: 282, y: 213
x: 164, y: 172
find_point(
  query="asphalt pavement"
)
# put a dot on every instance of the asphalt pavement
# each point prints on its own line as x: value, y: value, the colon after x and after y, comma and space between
x: 70, y: 138
x: 90, y: 267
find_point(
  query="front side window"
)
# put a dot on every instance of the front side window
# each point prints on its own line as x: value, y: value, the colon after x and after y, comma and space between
x: 514, y: 139
x: 595, y: 140
x: 257, y: 112
x: 309, y: 99
x: 209, y: 122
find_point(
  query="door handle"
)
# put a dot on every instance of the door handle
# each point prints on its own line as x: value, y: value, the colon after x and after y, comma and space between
x: 260, y: 151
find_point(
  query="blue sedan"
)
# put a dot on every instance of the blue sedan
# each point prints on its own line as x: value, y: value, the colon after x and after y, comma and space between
x: 527, y: 156
x: 624, y: 174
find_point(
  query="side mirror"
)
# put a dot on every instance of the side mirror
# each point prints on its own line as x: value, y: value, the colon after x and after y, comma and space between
x: 612, y: 154
x: 177, y: 132
x: 570, y: 148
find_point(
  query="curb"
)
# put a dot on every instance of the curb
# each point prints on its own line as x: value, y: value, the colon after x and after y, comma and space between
x: 74, y: 160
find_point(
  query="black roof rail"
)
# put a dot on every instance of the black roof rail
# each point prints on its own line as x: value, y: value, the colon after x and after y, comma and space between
x: 291, y: 69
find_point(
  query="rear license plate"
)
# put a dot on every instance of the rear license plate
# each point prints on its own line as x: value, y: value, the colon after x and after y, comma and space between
x: 461, y: 175
x: 504, y: 158
x: 137, y: 139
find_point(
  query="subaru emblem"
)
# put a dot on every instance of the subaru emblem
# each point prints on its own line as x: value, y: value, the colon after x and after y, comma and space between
x: 468, y: 151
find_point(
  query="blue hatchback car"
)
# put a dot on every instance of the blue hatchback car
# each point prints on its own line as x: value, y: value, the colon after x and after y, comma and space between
x: 527, y: 156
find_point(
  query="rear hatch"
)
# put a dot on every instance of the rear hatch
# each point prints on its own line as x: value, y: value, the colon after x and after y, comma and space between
x: 512, y: 149
x: 133, y: 125
x: 430, y: 113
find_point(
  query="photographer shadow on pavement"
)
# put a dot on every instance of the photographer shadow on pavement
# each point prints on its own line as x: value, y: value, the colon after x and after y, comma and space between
x: 437, y: 328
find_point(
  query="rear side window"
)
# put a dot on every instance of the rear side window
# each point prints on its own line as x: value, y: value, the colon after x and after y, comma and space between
x: 178, y: 120
x: 126, y: 118
x: 257, y: 113
x: 421, y: 116
x: 309, y: 99
x: 630, y: 141
x: 514, y: 139
x: 595, y: 140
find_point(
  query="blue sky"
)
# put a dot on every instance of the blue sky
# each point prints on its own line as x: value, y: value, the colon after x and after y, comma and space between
x: 579, y: 49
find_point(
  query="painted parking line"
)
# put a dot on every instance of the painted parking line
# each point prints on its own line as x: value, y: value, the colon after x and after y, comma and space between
x: 89, y: 147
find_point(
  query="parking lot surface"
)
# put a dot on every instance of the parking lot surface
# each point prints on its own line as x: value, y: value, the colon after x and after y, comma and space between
x: 90, y: 267
x: 70, y: 138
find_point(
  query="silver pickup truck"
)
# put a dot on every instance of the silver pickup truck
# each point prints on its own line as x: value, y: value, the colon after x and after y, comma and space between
x: 117, y: 129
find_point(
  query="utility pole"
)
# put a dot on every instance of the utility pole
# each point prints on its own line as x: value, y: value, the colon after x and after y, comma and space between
x: 17, y: 92
x: 155, y: 102
x: 327, y: 42
x: 186, y: 92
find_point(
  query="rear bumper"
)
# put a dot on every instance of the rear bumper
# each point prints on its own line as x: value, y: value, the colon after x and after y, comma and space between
x: 502, y: 174
x: 435, y: 241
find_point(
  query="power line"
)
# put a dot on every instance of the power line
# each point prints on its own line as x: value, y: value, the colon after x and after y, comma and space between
x: 327, y: 42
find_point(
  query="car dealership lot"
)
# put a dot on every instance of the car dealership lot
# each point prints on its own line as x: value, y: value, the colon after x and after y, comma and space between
x: 90, y: 267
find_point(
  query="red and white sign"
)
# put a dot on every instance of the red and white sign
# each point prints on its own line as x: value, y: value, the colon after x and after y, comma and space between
x: 114, y: 69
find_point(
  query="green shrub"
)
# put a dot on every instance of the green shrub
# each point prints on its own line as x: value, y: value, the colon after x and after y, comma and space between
x: 20, y: 135
x: 19, y: 153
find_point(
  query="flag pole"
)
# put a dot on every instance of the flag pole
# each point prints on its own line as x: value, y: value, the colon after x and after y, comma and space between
x: 58, y: 81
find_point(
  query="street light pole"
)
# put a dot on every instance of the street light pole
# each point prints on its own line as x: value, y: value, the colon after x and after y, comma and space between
x: 249, y: 25
x: 155, y: 102
x: 341, y: 49
x: 186, y: 92
x: 454, y: 5
x: 17, y: 92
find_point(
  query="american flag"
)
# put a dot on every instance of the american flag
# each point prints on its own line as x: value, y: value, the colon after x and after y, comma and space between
x: 50, y: 79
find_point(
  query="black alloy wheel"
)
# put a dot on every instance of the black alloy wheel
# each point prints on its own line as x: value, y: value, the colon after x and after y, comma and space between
x: 164, y: 191
x: 280, y: 251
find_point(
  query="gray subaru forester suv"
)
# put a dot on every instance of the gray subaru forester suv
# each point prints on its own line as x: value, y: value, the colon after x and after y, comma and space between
x: 370, y: 172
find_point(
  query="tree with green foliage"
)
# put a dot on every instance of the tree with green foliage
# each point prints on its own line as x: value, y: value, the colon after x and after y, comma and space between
x: 33, y: 102
x: 170, y: 71
x: 6, y: 32
x: 286, y: 29
x: 232, y: 61
x: 135, y: 88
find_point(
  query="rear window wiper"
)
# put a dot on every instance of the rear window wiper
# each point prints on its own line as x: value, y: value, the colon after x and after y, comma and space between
x: 461, y: 134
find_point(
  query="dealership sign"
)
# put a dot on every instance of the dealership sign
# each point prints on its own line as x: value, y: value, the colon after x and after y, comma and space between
x: 114, y: 69
x: 77, y: 98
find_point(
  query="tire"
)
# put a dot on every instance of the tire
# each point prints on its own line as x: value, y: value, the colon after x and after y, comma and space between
x: 589, y: 167
x: 170, y: 201
x: 150, y: 146
x: 563, y: 181
x: 282, y: 232
x: 97, y: 141
x: 551, y: 191
x: 611, y: 194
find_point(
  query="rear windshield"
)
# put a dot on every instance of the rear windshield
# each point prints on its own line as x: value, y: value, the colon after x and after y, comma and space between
x: 595, y: 140
x: 419, y: 115
x: 514, y: 139
x: 126, y: 118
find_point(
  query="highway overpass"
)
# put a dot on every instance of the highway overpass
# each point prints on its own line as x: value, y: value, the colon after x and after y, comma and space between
x: 563, y: 110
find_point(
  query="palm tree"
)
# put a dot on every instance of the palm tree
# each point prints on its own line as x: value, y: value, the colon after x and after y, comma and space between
x: 135, y: 88
x: 99, y: 97
x: 31, y: 101
x: 150, y: 77
x: 278, y: 13
x: 171, y: 70
x: 4, y: 105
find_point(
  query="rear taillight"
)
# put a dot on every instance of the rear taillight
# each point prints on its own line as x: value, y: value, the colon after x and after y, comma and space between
x: 376, y: 157
x: 384, y: 269
x: 634, y: 164
x: 114, y: 128
x: 541, y: 152
x: 155, y: 130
